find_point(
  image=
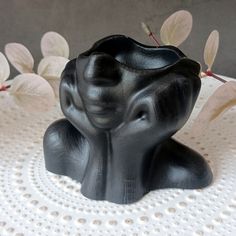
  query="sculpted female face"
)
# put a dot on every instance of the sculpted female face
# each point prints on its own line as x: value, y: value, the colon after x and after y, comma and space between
x: 101, y: 90
x: 119, y: 78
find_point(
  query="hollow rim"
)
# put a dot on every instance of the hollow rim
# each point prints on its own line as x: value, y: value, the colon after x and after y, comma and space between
x: 182, y: 60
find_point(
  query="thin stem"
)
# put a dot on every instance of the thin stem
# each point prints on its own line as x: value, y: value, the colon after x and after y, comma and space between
x: 149, y: 32
x: 153, y: 37
x: 219, y: 78
x: 4, y: 88
x: 210, y: 73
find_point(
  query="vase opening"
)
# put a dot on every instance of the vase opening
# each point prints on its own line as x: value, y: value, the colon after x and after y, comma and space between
x: 135, y: 55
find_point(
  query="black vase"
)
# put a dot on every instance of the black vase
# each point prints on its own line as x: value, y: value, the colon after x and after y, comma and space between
x: 123, y: 101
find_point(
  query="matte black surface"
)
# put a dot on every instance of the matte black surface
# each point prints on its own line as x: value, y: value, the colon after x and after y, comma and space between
x: 123, y: 101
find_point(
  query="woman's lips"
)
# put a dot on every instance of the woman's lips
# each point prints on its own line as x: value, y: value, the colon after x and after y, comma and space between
x: 100, y: 110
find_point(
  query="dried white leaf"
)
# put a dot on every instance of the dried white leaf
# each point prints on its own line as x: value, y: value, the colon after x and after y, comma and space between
x: 219, y: 102
x: 176, y: 28
x: 4, y: 68
x: 20, y: 57
x: 52, y: 66
x: 32, y: 92
x: 55, y: 83
x: 53, y: 44
x: 211, y: 48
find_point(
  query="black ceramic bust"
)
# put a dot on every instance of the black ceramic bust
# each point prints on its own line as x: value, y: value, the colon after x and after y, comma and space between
x: 123, y: 101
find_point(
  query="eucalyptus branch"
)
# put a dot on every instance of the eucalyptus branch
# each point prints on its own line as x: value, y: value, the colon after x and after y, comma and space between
x: 148, y: 31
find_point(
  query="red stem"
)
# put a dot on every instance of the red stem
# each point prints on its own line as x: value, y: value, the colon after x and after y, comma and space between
x: 4, y: 87
x: 210, y: 73
x: 151, y: 35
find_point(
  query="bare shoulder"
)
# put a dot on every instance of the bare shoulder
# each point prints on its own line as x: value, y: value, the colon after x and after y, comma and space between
x: 65, y: 148
x: 177, y: 166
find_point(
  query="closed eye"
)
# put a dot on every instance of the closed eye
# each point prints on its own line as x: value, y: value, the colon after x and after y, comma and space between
x: 141, y: 115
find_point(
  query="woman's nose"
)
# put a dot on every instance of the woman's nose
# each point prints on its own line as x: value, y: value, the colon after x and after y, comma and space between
x: 102, y: 70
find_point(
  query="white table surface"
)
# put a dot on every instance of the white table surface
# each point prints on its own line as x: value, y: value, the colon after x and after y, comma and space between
x: 35, y: 202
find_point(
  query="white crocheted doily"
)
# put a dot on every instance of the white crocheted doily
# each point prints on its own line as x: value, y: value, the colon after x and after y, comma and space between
x: 34, y: 202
